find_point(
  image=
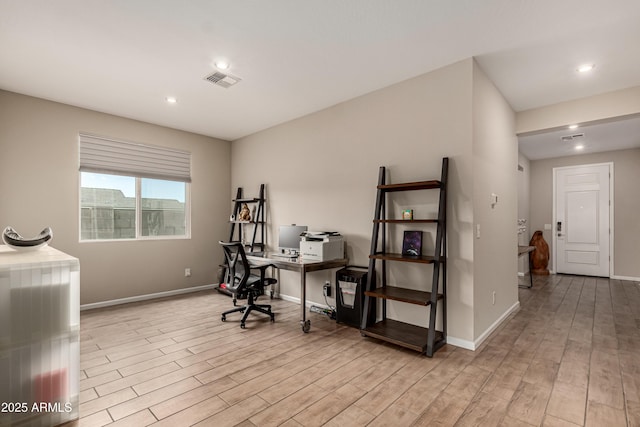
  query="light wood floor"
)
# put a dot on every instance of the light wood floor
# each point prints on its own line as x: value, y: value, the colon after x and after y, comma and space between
x: 569, y: 356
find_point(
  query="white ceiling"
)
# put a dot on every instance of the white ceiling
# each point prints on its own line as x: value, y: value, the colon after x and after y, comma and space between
x: 596, y: 137
x: 296, y: 57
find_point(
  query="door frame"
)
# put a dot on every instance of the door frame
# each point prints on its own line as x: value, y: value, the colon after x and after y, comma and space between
x: 611, y: 217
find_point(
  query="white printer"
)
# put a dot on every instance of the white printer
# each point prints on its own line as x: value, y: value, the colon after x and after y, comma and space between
x: 321, y: 245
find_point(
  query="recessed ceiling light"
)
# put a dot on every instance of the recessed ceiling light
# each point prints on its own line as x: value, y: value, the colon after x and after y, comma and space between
x: 171, y: 99
x: 586, y: 68
x: 579, y: 147
x: 573, y: 127
x: 222, y: 65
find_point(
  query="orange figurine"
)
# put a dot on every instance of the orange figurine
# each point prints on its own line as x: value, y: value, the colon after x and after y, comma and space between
x: 540, y: 256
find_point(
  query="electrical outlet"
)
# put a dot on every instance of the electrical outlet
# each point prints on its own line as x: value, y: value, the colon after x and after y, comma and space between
x: 327, y: 289
x: 187, y: 272
x: 493, y: 298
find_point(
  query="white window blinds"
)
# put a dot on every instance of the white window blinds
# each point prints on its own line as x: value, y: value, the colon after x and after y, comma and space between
x: 103, y: 155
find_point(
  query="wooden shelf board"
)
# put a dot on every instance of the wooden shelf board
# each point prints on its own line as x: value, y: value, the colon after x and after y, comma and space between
x: 409, y: 186
x: 400, y: 333
x: 251, y: 200
x: 400, y: 221
x: 410, y: 296
x: 422, y: 259
x: 248, y: 245
x: 246, y: 222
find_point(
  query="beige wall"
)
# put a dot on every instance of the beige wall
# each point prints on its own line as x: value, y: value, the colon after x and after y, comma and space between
x: 321, y: 171
x: 626, y: 203
x: 39, y: 183
x: 524, y: 181
x: 495, y: 168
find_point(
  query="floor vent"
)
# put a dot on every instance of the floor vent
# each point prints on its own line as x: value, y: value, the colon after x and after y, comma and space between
x: 223, y: 79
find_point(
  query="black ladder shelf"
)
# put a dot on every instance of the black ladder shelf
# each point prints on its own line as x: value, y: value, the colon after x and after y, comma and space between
x: 424, y: 340
x: 237, y: 232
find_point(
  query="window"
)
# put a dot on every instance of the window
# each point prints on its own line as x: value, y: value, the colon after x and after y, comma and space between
x: 126, y: 194
x: 162, y: 204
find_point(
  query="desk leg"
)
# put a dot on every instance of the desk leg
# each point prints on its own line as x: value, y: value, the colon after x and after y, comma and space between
x: 530, y: 271
x: 306, y: 324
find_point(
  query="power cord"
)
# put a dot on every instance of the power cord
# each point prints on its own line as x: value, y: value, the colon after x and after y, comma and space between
x: 332, y: 314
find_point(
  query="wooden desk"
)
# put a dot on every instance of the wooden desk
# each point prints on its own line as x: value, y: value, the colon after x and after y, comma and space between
x: 524, y: 250
x: 304, y: 267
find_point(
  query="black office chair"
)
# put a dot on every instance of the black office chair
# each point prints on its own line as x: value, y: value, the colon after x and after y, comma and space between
x: 241, y: 283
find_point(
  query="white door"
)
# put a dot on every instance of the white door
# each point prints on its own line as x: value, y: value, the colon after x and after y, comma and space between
x: 582, y: 215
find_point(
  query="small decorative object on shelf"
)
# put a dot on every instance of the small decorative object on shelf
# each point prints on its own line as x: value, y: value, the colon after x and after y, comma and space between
x: 412, y: 243
x: 15, y: 241
x: 407, y: 214
x: 245, y: 213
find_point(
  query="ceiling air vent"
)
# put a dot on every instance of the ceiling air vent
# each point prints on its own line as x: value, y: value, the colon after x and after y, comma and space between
x: 223, y: 79
x: 573, y: 138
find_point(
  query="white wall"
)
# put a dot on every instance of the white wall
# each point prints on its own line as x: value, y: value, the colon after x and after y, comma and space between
x: 39, y: 183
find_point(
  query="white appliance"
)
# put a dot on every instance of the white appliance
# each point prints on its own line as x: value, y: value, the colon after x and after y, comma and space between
x: 321, y: 246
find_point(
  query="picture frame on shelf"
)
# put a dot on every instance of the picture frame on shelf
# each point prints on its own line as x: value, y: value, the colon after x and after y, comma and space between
x: 412, y: 243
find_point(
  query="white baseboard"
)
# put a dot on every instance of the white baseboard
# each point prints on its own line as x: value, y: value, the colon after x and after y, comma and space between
x: 457, y: 342
x: 631, y: 279
x: 473, y: 345
x: 289, y: 298
x: 145, y: 297
x: 495, y: 324
x: 297, y: 300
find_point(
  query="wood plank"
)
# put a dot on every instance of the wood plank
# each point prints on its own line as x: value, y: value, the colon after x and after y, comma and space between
x: 396, y: 293
x: 401, y: 333
x: 421, y: 259
x: 568, y: 402
x: 409, y: 186
x: 405, y: 221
